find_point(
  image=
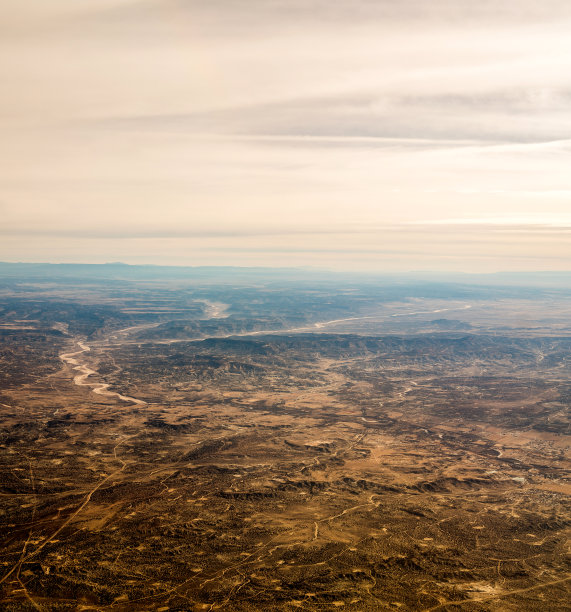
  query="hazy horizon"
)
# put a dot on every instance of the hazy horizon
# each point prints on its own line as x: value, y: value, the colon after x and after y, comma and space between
x: 555, y: 279
x: 368, y: 136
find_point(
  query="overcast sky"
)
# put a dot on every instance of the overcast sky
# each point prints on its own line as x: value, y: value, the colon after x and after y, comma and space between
x: 355, y: 134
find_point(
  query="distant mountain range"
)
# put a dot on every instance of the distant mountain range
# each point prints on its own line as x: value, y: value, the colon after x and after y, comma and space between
x: 122, y: 271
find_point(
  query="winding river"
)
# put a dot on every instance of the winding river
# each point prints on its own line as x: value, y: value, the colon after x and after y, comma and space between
x: 85, y: 372
x: 216, y: 311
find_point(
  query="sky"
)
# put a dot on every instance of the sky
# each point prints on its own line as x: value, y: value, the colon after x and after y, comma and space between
x: 378, y: 135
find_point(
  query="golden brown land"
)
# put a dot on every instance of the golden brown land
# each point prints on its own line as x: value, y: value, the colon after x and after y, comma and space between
x: 292, y: 470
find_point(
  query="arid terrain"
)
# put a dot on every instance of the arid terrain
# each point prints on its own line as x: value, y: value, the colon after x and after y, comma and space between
x: 277, y: 445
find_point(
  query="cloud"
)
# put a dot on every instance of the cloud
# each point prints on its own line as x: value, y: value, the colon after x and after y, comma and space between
x: 207, y: 126
x: 496, y: 116
x: 233, y: 13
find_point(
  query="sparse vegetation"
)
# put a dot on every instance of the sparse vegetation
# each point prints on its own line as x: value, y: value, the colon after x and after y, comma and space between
x: 339, y: 458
